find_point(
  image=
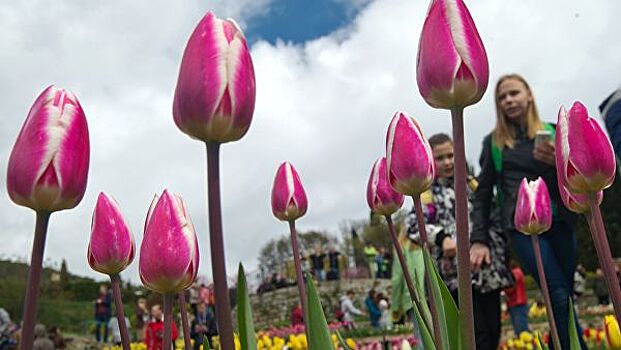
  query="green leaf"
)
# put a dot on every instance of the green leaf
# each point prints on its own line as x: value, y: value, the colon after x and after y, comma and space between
x: 206, y: 345
x: 451, y: 312
x: 342, y: 341
x: 419, y: 294
x: 247, y: 338
x: 574, y: 341
x: 427, y: 339
x: 317, y: 327
x: 541, y: 342
x: 439, y: 299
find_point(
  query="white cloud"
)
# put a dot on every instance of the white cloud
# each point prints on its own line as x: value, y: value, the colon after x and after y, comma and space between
x: 324, y: 105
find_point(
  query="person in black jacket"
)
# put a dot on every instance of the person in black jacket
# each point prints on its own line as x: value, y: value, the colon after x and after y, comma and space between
x: 509, y: 154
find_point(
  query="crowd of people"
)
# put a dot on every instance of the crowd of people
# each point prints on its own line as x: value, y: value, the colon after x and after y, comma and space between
x: 149, y: 320
x: 509, y: 154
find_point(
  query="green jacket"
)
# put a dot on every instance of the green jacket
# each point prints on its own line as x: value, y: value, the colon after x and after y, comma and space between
x: 400, y: 300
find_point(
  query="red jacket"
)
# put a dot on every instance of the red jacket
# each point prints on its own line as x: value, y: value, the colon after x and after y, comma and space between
x: 516, y: 295
x: 155, y: 335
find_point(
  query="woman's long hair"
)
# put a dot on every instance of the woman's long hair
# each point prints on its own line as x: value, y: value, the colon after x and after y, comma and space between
x: 504, y: 133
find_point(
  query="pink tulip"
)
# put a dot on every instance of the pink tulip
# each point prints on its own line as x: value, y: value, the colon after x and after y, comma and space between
x: 585, y: 158
x: 533, y: 212
x: 169, y: 252
x: 48, y: 166
x: 578, y: 203
x: 409, y: 160
x: 288, y: 197
x: 452, y: 69
x: 112, y: 247
x: 215, y: 94
x: 381, y: 197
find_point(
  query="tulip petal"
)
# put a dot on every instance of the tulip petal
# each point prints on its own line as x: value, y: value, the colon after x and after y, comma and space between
x: 409, y: 159
x: 381, y: 197
x: 533, y: 212
x: 202, y: 77
x: 452, y: 67
x: 585, y: 158
x: 168, y: 248
x: 289, y: 200
x: 48, y: 166
x: 111, y: 247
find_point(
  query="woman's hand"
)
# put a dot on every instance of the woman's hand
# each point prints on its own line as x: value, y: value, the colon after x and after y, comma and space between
x: 479, y: 255
x: 544, y: 152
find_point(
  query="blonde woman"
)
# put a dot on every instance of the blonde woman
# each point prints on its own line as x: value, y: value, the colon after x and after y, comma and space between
x: 521, y: 145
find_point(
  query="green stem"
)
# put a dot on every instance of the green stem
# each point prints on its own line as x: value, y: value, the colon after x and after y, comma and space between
x: 544, y: 290
x: 298, y: 272
x: 34, y: 279
x: 218, y: 265
x: 120, y: 313
x: 602, y: 247
x: 466, y: 316
x: 168, y: 304
x: 184, y: 321
x: 422, y: 229
x: 406, y: 270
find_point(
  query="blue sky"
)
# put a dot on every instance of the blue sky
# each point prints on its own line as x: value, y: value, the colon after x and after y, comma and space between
x: 298, y: 21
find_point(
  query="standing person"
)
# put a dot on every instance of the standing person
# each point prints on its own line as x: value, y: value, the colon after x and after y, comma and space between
x: 155, y: 330
x: 41, y: 341
x: 439, y: 215
x: 611, y: 113
x: 401, y: 304
x: 103, y: 311
x: 317, y: 260
x: 509, y: 154
x: 333, y: 259
x: 599, y: 288
x: 194, y: 297
x: 370, y: 253
x: 373, y: 309
x: 579, y: 281
x: 348, y: 308
x: 517, y: 301
x: 115, y: 330
x: 142, y: 318
x: 379, y: 263
x: 383, y: 305
x: 297, y: 315
x: 203, y: 325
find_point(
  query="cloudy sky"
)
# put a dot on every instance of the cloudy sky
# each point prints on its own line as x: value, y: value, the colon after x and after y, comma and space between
x: 330, y: 75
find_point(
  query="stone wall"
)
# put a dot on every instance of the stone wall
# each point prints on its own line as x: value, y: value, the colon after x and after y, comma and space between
x: 274, y: 308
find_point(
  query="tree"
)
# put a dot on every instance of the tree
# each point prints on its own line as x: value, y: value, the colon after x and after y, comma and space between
x: 276, y: 254
x: 64, y: 275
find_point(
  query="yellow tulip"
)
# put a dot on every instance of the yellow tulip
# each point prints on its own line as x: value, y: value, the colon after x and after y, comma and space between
x: 613, y: 335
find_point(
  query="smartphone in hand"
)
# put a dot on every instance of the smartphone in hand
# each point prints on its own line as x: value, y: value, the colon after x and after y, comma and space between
x: 542, y: 137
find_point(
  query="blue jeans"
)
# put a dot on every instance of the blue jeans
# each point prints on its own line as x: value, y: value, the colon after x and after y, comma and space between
x: 101, y: 322
x: 558, y: 252
x: 519, y: 318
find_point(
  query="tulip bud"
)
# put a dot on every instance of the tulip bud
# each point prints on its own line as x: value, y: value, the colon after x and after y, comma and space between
x: 381, y: 197
x: 48, y: 166
x: 215, y: 94
x: 613, y: 335
x: 169, y: 252
x: 111, y: 248
x: 405, y: 345
x: 533, y: 212
x: 409, y: 160
x: 585, y: 159
x: 578, y: 203
x: 452, y: 69
x: 288, y: 197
